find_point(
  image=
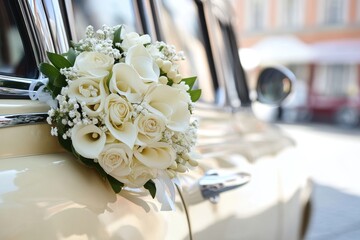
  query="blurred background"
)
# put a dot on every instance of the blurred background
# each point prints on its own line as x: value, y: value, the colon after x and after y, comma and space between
x: 319, y: 40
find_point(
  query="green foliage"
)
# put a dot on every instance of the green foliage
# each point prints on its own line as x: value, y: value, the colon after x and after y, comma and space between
x: 150, y: 186
x: 189, y: 81
x: 58, y: 60
x: 65, y: 143
x: 71, y: 56
x: 115, y: 184
x: 195, y: 94
x: 56, y: 80
x: 117, y: 38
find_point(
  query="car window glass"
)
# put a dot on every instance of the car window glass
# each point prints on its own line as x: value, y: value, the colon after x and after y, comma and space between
x: 181, y: 27
x: 98, y: 13
x: 16, y: 57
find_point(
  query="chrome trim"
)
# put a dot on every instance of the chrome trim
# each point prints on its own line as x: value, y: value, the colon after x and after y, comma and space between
x: 56, y: 24
x: 13, y: 92
x: 213, y: 184
x: 12, y: 120
x: 46, y: 31
x: 214, y: 45
x: 139, y: 26
x: 38, y: 28
x: 71, y: 19
x: 5, y: 80
x: 14, y: 87
x: 143, y: 7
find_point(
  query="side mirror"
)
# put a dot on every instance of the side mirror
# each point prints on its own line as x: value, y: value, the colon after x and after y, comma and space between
x: 274, y: 85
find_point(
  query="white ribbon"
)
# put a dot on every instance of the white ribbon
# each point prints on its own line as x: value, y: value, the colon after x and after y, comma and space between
x: 40, y: 94
x: 165, y: 191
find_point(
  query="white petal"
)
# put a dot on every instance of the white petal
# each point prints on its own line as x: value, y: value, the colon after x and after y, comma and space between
x: 127, y: 82
x: 143, y: 63
x: 95, y: 112
x: 159, y: 155
x: 126, y: 133
x: 179, y: 120
x: 84, y: 143
x: 171, y: 103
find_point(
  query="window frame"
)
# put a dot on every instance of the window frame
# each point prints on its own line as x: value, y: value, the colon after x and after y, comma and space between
x: 42, y: 37
x: 238, y: 90
x: 323, y: 13
x: 249, y: 17
x: 297, y: 14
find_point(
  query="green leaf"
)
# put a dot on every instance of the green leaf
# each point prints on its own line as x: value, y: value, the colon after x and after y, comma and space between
x: 150, y: 186
x: 55, y: 91
x: 58, y: 61
x: 100, y: 170
x: 195, y: 94
x: 60, y: 81
x: 65, y: 143
x: 56, y: 80
x: 189, y: 81
x: 50, y: 71
x: 71, y: 56
x: 117, y: 36
x: 115, y: 184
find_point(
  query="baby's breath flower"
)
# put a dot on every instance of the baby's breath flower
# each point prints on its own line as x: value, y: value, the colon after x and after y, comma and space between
x: 49, y: 120
x: 64, y: 121
x: 54, y: 131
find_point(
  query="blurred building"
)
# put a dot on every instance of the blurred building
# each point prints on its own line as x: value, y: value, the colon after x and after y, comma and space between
x: 319, y: 40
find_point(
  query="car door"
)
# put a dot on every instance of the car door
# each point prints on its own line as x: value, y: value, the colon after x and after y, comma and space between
x: 231, y: 139
x: 44, y: 192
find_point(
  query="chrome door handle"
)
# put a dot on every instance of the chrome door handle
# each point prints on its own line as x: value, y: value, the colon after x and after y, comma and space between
x: 212, y: 184
x: 11, y: 120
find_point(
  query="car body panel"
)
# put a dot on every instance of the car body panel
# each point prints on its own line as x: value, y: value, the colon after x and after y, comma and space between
x: 46, y: 194
x: 51, y: 196
x: 271, y: 201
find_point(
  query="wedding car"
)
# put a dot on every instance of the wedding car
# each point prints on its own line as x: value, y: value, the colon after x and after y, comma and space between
x: 251, y: 183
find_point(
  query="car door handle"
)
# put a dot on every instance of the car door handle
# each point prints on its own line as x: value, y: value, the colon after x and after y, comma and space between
x: 212, y: 184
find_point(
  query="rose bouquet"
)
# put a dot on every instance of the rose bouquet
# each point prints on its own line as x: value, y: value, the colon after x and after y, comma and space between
x: 123, y: 108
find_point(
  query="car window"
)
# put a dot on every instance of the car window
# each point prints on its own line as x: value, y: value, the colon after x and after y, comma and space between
x: 227, y: 53
x: 182, y: 28
x: 108, y: 12
x: 16, y: 56
x: 210, y: 47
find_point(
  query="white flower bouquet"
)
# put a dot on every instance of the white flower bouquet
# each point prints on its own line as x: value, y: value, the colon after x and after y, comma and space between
x: 123, y: 108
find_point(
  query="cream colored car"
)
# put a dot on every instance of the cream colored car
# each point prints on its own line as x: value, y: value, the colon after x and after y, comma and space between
x: 251, y: 183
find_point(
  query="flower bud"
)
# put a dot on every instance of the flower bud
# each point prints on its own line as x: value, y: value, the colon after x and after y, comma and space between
x: 171, y: 74
x: 163, y: 79
x: 177, y: 78
x: 181, y: 168
x: 166, y: 66
x: 159, y: 62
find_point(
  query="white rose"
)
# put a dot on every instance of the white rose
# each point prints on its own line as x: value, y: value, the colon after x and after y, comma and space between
x: 150, y: 128
x: 118, y: 114
x: 132, y: 38
x: 115, y: 159
x: 92, y: 93
x: 139, y: 175
x: 127, y: 82
x: 138, y: 57
x: 88, y: 140
x: 95, y: 64
x: 172, y: 104
x: 158, y: 155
